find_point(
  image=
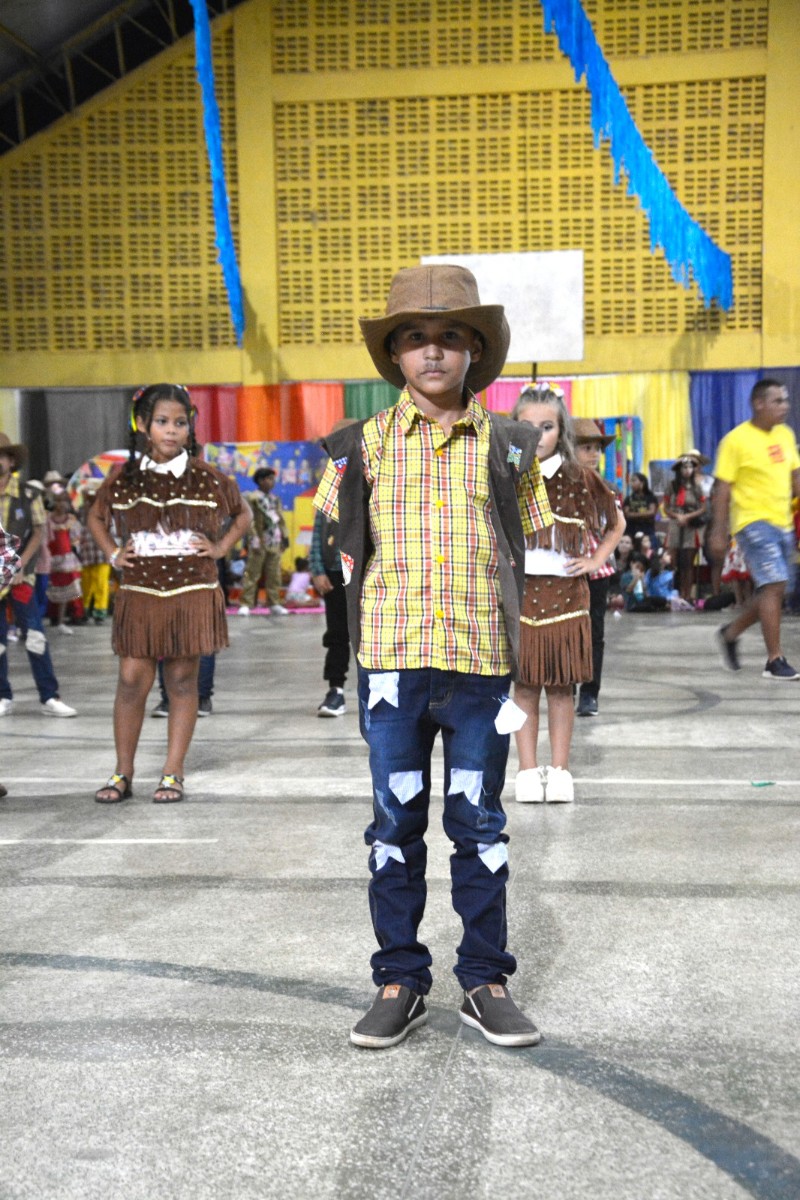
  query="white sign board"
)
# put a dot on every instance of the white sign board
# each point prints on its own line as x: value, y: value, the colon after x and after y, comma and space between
x: 542, y: 293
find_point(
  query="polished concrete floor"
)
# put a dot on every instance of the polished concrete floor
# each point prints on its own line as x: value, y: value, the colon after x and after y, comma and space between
x: 178, y: 982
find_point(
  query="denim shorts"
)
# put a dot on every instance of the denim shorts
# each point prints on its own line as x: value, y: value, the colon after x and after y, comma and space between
x: 769, y: 553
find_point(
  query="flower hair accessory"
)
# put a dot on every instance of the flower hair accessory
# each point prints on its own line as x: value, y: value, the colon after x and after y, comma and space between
x: 543, y: 388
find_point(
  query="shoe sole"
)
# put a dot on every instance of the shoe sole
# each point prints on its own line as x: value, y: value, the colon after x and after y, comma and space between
x: 529, y: 800
x: 327, y: 712
x: 780, y: 678
x: 502, y: 1039
x: 383, y: 1043
x: 560, y: 799
x: 64, y: 716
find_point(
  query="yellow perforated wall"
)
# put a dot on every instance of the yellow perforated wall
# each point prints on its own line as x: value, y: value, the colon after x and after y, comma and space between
x: 106, y: 227
x: 353, y: 35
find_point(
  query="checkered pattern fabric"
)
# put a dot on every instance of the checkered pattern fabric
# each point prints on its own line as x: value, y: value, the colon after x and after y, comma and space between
x: 431, y: 595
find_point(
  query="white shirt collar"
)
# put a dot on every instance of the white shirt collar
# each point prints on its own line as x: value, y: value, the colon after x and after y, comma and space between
x: 176, y: 466
x: 550, y: 465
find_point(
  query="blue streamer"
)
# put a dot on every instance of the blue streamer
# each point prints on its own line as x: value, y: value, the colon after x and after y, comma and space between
x: 689, y: 250
x: 211, y: 123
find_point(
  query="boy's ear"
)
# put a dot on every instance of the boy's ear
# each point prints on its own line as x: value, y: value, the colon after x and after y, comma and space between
x: 477, y: 347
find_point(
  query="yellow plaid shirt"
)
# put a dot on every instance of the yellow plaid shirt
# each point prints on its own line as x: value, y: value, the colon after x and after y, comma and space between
x: 431, y: 595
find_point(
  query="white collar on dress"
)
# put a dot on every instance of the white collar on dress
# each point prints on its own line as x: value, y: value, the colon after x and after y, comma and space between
x: 176, y: 466
x: 550, y: 465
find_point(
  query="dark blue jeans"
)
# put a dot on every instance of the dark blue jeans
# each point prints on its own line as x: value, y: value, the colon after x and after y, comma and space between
x: 400, y: 729
x: 29, y: 623
x: 205, y: 678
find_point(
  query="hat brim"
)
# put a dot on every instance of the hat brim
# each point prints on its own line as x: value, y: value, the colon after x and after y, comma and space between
x: 700, y: 459
x: 605, y: 439
x: 19, y: 452
x: 488, y: 319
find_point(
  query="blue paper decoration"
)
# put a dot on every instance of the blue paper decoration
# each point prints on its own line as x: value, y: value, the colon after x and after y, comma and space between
x: 690, y: 252
x: 211, y: 123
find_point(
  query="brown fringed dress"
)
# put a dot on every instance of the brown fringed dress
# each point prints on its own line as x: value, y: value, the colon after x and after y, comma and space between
x: 169, y: 606
x: 555, y: 631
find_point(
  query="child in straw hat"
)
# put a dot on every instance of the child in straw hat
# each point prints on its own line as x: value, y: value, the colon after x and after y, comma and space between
x: 434, y: 498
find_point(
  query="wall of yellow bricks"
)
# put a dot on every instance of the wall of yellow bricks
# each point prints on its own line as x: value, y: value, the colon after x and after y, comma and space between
x: 363, y: 134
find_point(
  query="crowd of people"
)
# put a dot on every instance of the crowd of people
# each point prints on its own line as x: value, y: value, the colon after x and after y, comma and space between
x: 466, y: 559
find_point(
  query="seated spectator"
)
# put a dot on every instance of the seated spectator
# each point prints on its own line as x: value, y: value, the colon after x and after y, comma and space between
x: 637, y: 598
x: 660, y: 577
x: 297, y: 590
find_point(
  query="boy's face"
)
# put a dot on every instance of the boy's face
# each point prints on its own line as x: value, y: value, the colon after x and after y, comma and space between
x: 434, y: 354
x: 6, y: 464
x: 588, y: 454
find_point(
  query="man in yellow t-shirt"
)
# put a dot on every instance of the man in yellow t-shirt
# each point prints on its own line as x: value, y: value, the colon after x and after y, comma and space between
x: 756, y: 475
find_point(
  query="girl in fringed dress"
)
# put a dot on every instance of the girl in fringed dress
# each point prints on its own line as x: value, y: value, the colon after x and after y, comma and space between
x: 555, y: 631
x: 169, y: 510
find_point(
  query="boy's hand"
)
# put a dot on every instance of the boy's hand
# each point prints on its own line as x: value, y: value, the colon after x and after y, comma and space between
x: 322, y: 584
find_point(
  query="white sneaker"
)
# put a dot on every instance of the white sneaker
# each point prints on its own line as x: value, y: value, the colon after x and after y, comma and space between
x: 279, y: 610
x: 65, y: 629
x: 6, y: 708
x: 560, y: 789
x: 529, y: 786
x: 243, y: 611
x: 57, y: 708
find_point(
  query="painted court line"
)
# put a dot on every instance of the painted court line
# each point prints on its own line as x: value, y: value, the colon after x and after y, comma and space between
x: 108, y: 841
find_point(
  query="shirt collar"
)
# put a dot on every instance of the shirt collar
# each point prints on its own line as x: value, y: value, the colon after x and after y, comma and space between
x: 176, y: 466
x: 408, y: 415
x: 550, y: 465
x: 13, y: 488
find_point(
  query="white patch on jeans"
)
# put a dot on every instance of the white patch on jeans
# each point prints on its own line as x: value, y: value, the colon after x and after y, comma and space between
x: 468, y: 782
x: 35, y: 641
x: 405, y: 784
x: 384, y: 685
x: 493, y: 856
x: 384, y: 851
x: 510, y: 717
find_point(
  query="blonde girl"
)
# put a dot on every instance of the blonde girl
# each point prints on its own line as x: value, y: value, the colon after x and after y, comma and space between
x: 555, y: 634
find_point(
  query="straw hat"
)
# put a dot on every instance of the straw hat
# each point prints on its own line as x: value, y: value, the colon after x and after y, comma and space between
x: 438, y: 290
x: 15, y: 449
x: 54, y: 477
x: 587, y: 430
x: 694, y: 455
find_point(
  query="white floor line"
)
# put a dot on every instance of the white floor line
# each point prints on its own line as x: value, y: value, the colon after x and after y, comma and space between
x: 108, y: 841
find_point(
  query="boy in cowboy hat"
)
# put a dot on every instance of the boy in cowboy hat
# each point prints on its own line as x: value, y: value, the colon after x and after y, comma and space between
x: 434, y: 498
x: 590, y: 442
x: 24, y: 519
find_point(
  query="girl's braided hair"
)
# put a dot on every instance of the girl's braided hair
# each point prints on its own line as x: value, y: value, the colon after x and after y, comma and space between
x: 142, y: 406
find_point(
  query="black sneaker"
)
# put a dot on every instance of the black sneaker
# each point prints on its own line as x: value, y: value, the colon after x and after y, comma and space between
x: 778, y: 668
x: 161, y: 709
x: 333, y: 705
x: 204, y: 708
x: 396, y: 1011
x: 728, y: 650
x: 492, y: 1010
x: 587, y: 705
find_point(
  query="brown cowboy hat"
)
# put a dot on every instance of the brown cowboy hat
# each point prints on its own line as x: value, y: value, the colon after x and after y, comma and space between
x: 699, y: 458
x: 587, y: 430
x: 436, y: 290
x: 16, y: 449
